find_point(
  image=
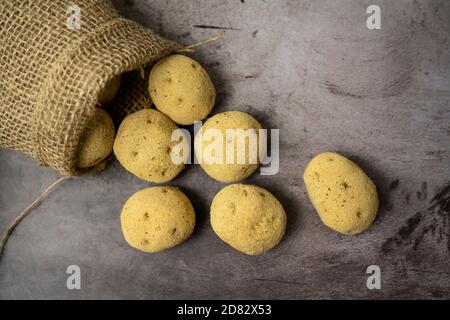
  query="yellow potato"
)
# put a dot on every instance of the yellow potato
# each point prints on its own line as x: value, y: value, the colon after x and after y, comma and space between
x: 222, y: 170
x: 144, y: 144
x: 109, y: 91
x: 343, y: 195
x: 181, y: 89
x: 248, y: 218
x: 157, y: 218
x: 97, y: 141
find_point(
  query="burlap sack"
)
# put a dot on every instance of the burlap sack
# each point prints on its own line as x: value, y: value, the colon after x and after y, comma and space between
x: 51, y: 75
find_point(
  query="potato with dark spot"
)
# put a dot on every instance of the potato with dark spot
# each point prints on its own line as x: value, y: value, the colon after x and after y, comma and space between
x: 157, y: 218
x: 144, y: 145
x: 247, y: 130
x: 343, y: 195
x: 181, y: 89
x: 248, y: 218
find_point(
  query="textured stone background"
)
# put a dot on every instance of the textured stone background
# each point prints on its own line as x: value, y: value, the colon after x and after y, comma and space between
x: 312, y: 69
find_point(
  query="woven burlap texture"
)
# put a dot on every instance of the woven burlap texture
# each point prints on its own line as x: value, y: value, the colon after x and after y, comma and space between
x: 51, y: 75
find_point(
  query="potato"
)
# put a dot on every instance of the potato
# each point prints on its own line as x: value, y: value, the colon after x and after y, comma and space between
x: 181, y: 89
x: 109, y: 91
x: 97, y: 141
x: 144, y: 145
x: 248, y: 218
x: 222, y: 170
x: 343, y: 195
x: 157, y: 218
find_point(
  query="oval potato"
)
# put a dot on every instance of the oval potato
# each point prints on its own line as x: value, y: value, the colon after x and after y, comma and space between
x: 222, y: 170
x: 248, y: 218
x: 181, y: 89
x: 343, y: 195
x: 157, y: 218
x: 144, y: 146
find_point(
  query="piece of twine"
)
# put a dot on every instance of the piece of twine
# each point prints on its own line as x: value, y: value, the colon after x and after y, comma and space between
x: 191, y: 47
x: 25, y: 212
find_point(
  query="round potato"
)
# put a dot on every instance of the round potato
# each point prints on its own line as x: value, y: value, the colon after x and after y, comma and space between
x: 248, y: 218
x: 144, y: 146
x: 181, y: 89
x: 97, y: 141
x: 110, y: 90
x: 223, y: 158
x: 157, y: 218
x: 342, y: 194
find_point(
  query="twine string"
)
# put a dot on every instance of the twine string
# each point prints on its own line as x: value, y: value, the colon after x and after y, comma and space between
x: 25, y: 212
x: 190, y: 48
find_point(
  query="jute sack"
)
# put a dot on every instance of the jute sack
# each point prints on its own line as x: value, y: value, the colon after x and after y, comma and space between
x: 51, y: 75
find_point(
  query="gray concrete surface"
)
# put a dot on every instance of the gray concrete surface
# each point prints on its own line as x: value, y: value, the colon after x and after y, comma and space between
x: 313, y: 70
